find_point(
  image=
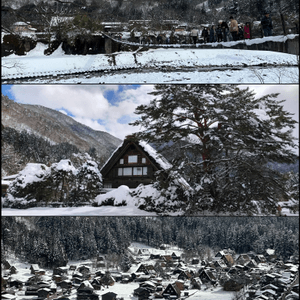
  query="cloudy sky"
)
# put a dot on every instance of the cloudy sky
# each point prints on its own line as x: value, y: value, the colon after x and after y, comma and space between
x: 111, y: 107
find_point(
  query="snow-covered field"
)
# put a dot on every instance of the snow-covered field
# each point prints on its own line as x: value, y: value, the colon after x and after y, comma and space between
x: 173, y: 65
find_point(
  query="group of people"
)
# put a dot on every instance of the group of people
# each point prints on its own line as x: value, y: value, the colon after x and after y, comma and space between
x: 233, y: 32
x: 224, y: 33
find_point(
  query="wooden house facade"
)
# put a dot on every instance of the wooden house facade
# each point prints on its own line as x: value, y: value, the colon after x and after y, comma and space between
x: 133, y: 163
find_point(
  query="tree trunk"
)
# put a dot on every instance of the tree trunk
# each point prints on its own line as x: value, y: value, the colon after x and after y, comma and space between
x: 283, y: 23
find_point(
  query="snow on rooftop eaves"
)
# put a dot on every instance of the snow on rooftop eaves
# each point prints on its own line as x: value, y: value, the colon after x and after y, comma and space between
x: 164, y: 164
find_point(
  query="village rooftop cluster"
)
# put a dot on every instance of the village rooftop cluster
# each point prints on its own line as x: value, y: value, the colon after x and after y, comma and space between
x: 165, y: 273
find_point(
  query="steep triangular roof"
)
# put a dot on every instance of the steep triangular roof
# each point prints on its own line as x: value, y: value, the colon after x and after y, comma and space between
x: 156, y: 159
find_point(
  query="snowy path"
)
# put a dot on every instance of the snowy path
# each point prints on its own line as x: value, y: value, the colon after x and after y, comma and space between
x: 200, y: 66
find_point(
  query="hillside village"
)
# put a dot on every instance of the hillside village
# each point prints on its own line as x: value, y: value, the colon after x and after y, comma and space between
x: 88, y: 29
x: 164, y: 273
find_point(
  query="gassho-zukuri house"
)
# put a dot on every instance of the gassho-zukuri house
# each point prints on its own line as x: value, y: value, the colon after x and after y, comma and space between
x: 133, y: 163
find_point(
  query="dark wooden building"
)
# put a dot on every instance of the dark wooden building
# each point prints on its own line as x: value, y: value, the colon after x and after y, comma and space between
x: 109, y: 296
x: 133, y: 163
x: 171, y: 291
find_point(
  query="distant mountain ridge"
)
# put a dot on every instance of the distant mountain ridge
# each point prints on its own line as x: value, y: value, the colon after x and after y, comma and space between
x: 56, y: 127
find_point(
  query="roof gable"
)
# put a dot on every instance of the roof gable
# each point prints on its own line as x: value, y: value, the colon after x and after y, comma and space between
x: 156, y: 159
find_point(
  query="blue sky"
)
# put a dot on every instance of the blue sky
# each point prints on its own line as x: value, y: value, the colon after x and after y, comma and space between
x: 111, y: 107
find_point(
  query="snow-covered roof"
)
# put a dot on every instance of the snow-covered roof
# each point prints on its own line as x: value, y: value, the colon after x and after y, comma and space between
x: 20, y: 23
x: 57, y: 20
x: 270, y: 251
x: 158, y: 158
x: 164, y: 164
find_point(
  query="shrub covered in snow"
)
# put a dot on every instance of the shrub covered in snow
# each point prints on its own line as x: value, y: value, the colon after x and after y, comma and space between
x: 165, y: 195
x: 59, y: 184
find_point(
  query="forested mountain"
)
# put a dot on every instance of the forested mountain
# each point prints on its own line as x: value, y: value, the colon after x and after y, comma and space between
x: 33, y: 133
x: 53, y: 240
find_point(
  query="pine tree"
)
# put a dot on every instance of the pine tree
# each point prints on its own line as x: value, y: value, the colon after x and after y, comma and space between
x: 228, y: 139
x: 125, y: 263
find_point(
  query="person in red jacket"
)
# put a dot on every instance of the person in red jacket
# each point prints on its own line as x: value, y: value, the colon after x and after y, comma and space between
x: 247, y: 31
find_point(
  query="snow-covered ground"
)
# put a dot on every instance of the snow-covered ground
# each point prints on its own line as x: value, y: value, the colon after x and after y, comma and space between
x: 172, y: 65
x: 122, y: 194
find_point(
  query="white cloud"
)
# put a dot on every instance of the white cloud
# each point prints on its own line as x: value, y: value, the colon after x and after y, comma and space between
x: 88, y: 104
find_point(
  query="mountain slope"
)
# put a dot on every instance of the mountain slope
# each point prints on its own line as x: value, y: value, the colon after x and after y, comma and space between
x: 56, y: 127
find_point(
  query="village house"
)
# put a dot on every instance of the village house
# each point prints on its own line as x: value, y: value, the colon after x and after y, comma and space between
x: 44, y: 293
x: 22, y: 27
x: 149, y: 285
x: 6, y: 265
x: 171, y: 291
x: 228, y: 259
x: 207, y: 276
x: 196, y: 283
x: 8, y: 296
x: 270, y: 255
x: 16, y: 283
x: 34, y: 268
x: 133, y: 163
x: 146, y: 269
x: 242, y: 259
x: 109, y: 296
x: 66, y: 284
x: 13, y: 270
x: 60, y: 271
x: 141, y: 293
x: 107, y: 280
x: 84, y: 270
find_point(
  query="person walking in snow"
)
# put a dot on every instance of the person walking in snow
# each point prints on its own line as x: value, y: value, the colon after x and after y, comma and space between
x: 266, y: 24
x: 212, y: 34
x: 233, y: 28
x: 247, y: 31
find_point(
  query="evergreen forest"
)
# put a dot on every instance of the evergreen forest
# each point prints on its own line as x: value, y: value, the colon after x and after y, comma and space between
x: 53, y: 241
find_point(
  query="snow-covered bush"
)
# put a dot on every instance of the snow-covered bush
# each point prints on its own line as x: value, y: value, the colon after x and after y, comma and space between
x: 59, y: 184
x: 114, y: 198
x: 167, y: 194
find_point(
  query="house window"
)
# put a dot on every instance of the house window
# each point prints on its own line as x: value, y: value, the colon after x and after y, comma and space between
x: 145, y: 171
x: 127, y: 171
x: 138, y: 171
x: 121, y: 161
x: 108, y: 185
x: 132, y: 159
x: 143, y: 160
x: 135, y: 171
